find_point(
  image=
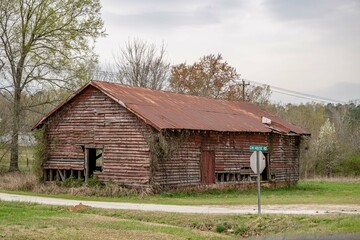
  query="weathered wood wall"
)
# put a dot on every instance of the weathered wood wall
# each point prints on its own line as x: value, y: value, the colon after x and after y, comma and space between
x: 95, y: 120
x: 232, y: 154
x: 284, y: 157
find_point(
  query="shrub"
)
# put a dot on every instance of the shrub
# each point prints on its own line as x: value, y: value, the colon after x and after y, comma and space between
x: 220, y: 228
x: 73, y: 182
x: 241, y: 230
x: 94, y: 182
x: 349, y: 166
x: 40, y: 153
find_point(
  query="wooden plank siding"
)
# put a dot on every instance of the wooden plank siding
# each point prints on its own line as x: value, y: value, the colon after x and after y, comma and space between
x: 232, y: 158
x: 285, y: 158
x: 94, y: 119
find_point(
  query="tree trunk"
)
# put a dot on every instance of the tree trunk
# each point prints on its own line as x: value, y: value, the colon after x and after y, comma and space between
x: 14, y: 147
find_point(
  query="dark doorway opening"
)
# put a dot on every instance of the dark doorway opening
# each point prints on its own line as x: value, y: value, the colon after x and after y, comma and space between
x: 93, y: 161
x: 207, y: 167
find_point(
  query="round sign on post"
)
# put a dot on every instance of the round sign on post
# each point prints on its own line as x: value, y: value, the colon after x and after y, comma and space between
x: 257, y: 164
x: 262, y: 162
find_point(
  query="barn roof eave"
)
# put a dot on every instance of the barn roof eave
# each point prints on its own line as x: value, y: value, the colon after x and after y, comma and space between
x: 43, y: 119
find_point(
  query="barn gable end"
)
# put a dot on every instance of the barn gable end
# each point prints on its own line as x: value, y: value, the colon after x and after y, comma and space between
x: 92, y: 120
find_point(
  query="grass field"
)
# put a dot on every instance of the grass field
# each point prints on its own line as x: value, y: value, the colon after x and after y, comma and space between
x: 32, y: 221
x: 305, y: 192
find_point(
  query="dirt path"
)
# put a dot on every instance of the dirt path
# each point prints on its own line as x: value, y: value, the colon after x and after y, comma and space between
x: 208, y: 209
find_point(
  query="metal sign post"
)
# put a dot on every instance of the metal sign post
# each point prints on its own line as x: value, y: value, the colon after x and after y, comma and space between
x: 257, y: 164
x: 258, y: 181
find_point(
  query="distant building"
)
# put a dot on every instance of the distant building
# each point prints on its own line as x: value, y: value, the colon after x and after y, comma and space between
x: 155, y: 139
x: 25, y: 139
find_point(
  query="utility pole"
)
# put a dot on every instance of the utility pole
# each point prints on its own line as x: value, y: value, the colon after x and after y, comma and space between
x: 243, y: 89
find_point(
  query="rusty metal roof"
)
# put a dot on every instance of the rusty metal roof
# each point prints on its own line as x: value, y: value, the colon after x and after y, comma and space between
x: 167, y: 110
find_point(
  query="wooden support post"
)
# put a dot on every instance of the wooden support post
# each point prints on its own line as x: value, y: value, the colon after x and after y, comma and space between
x: 86, y: 167
x: 60, y: 174
x: 57, y: 177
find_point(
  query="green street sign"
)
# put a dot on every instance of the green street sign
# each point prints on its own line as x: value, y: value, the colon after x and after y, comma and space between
x: 258, y: 148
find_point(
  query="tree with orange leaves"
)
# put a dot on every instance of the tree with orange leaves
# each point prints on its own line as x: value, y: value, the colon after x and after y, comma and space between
x: 213, y: 77
x: 210, y: 77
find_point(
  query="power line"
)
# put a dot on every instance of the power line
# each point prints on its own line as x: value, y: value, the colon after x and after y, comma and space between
x: 111, y: 76
x: 303, y: 97
x: 295, y: 93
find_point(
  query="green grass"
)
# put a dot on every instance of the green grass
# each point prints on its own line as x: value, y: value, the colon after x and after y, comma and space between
x: 305, y: 192
x: 32, y: 221
x: 26, y: 158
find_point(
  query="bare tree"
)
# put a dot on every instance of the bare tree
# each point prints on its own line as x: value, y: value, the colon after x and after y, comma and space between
x: 43, y: 43
x: 259, y: 94
x: 105, y: 72
x: 142, y: 64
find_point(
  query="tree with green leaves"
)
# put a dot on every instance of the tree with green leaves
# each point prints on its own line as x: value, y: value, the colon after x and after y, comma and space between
x: 326, y: 145
x: 43, y: 44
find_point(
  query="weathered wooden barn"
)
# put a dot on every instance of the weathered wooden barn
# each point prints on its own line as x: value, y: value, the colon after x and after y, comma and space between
x: 155, y: 139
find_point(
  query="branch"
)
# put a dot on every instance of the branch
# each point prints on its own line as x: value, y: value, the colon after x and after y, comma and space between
x: 29, y: 107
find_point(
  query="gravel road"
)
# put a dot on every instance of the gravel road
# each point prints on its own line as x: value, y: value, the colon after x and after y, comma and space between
x: 208, y: 209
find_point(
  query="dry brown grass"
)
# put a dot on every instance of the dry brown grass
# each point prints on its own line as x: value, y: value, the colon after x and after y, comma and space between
x: 334, y: 179
x: 27, y: 181
x: 107, y: 190
x: 17, y: 181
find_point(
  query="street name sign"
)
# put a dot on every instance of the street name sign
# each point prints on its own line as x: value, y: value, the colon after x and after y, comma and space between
x: 258, y: 148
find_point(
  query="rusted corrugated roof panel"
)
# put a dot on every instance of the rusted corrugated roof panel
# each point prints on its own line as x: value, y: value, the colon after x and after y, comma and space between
x: 166, y: 110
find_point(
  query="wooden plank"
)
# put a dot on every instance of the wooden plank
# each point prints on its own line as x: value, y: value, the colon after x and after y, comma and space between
x: 62, y: 176
x: 93, y: 119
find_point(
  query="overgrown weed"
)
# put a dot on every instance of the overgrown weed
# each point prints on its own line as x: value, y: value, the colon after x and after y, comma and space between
x: 27, y: 181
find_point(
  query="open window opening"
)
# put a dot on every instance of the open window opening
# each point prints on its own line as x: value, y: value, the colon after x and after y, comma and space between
x: 244, y: 173
x: 52, y: 174
x: 99, y: 160
x: 266, y: 173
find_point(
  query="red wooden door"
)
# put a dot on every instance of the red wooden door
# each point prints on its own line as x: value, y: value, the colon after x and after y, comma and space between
x: 207, y: 167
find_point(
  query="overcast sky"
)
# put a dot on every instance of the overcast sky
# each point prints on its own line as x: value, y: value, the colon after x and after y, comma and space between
x: 310, y: 46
